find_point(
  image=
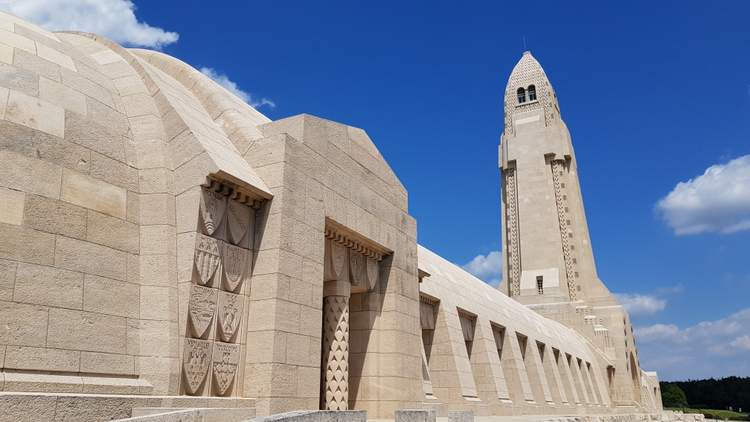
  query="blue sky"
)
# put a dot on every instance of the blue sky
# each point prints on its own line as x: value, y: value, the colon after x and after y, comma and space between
x: 654, y: 93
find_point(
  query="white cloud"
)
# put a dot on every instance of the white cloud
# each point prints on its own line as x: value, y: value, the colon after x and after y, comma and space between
x: 707, y: 349
x: 637, y: 304
x: 487, y: 267
x: 232, y: 87
x: 112, y: 18
x: 716, y: 201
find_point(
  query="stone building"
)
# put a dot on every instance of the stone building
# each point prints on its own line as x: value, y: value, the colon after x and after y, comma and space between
x: 165, y: 245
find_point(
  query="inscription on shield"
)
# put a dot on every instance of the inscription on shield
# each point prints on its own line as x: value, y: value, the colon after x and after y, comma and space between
x: 207, y: 259
x: 226, y: 359
x: 201, y: 309
x: 196, y: 358
x: 230, y: 315
x: 213, y: 206
x: 238, y: 220
x: 236, y: 262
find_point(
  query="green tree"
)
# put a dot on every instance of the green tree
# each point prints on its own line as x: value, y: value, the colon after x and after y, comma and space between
x: 672, y: 395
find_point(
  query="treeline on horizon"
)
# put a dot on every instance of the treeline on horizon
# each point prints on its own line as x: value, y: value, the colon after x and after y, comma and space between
x: 710, y: 393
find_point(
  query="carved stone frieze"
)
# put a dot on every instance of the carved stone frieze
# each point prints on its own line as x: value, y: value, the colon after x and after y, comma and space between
x: 230, y: 316
x: 196, y: 359
x: 236, y: 263
x: 207, y: 259
x: 226, y: 360
x: 201, y: 310
x: 355, y: 244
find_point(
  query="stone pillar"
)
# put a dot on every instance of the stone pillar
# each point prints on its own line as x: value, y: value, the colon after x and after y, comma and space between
x: 335, y: 394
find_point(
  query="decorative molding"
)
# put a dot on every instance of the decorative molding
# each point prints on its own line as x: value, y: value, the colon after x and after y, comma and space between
x: 234, y: 192
x: 335, y: 353
x: 355, y: 242
x: 558, y: 168
x: 512, y: 231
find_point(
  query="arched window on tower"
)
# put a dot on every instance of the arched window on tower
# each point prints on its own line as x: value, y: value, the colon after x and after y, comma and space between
x: 521, y: 95
x: 532, y: 93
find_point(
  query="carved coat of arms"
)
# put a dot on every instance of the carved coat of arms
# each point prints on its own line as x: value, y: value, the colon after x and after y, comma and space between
x: 373, y: 272
x: 207, y: 259
x: 339, y: 258
x: 238, y: 221
x: 236, y: 262
x: 357, y: 268
x: 196, y: 359
x: 201, y: 309
x: 212, y: 208
x: 230, y: 315
x: 226, y: 359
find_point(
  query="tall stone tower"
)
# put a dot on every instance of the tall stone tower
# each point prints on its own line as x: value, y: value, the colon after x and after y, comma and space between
x: 548, y: 260
x: 547, y: 251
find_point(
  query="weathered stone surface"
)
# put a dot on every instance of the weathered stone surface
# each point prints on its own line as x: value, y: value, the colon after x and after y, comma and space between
x: 111, y: 297
x: 55, y: 216
x: 416, y: 415
x: 90, y: 258
x: 22, y: 324
x: 94, y: 194
x: 36, y: 64
x: 42, y: 285
x: 112, y: 232
x: 29, y: 175
x: 7, y: 278
x: 43, y: 146
x: 76, y: 330
x: 95, y: 135
x: 461, y: 416
x: 11, y: 206
x: 37, y: 408
x: 59, y: 94
x: 107, y: 363
x: 19, y: 79
x: 41, y: 359
x: 35, y: 113
x: 27, y: 245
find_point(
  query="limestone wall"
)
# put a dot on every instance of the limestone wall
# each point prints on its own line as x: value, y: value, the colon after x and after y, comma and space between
x: 518, y: 362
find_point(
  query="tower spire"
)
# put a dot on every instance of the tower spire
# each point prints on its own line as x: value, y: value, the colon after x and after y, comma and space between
x: 546, y: 242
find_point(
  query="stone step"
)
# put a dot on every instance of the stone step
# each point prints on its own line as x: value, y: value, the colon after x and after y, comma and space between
x: 205, y: 414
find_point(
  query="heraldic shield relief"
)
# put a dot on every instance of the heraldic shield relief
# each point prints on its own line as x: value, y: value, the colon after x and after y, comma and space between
x: 222, y: 266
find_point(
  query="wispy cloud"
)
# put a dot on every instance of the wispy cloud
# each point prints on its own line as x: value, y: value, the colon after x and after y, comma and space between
x: 708, y: 348
x: 112, y: 18
x: 641, y: 304
x: 231, y: 86
x: 488, y: 268
x: 716, y: 201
